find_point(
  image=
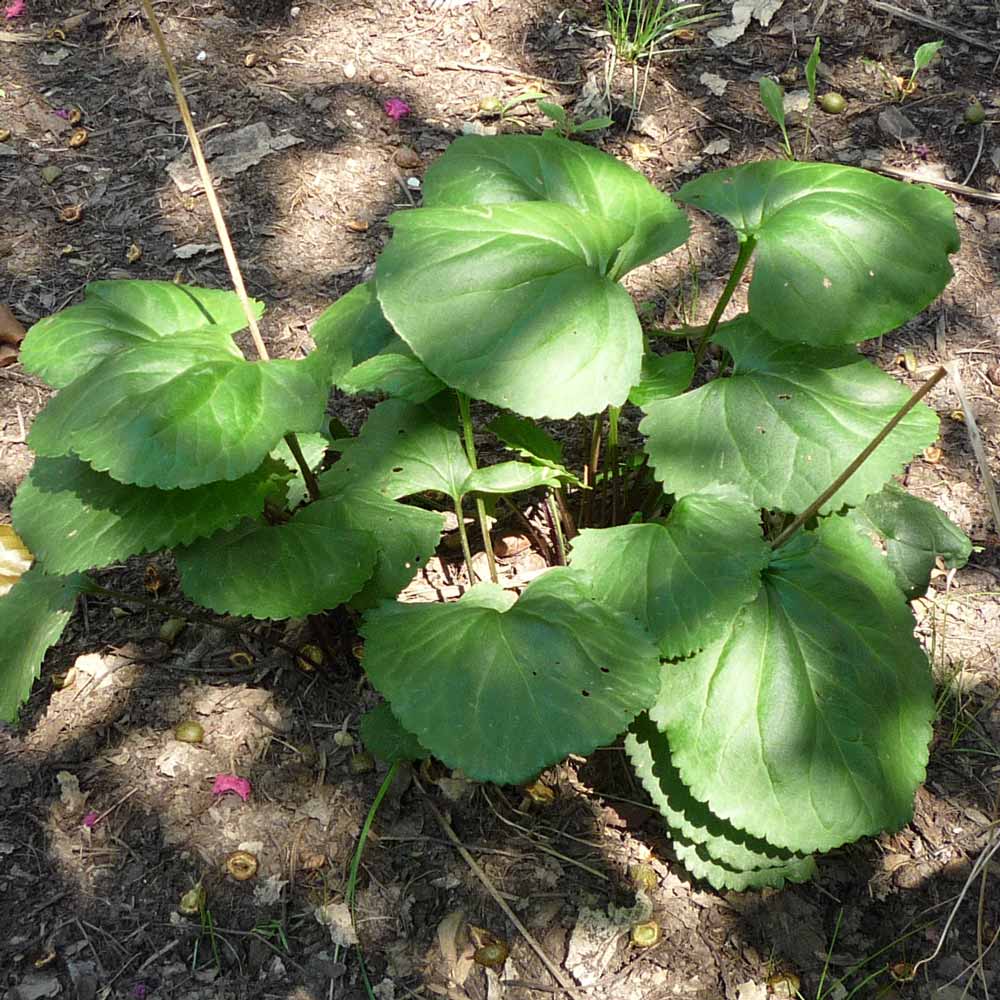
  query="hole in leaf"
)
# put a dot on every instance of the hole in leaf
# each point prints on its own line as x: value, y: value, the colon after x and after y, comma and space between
x: 585, y: 693
x: 397, y: 468
x: 605, y: 670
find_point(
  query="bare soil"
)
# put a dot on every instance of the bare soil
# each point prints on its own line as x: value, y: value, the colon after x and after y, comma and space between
x: 94, y: 910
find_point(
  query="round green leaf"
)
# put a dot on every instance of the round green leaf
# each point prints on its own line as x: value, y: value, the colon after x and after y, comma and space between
x: 663, y: 377
x: 509, y: 477
x: 119, y: 314
x: 179, y: 412
x: 33, y: 615
x: 402, y: 449
x: 495, y: 170
x: 511, y: 304
x: 352, y: 330
x: 649, y: 751
x: 728, y: 858
x: 684, y: 579
x: 699, y: 862
x: 307, y: 565
x: 74, y: 518
x: 396, y: 372
x: 383, y: 736
x: 915, y: 533
x: 842, y: 254
x: 502, y: 687
x: 807, y: 723
x: 784, y: 425
x: 532, y: 443
x: 405, y: 537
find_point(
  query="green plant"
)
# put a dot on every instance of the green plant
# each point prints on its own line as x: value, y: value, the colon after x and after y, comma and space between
x: 638, y: 28
x: 496, y: 107
x: 719, y: 604
x: 921, y: 60
x: 564, y: 123
x: 899, y: 87
x: 772, y: 96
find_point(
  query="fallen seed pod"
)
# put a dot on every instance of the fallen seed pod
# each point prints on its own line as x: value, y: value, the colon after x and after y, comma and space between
x: 189, y: 732
x: 172, y: 628
x: 832, y: 103
x: 361, y: 763
x: 902, y: 972
x: 242, y: 865
x: 644, y: 877
x: 539, y: 794
x: 312, y: 656
x: 975, y: 113
x: 193, y: 901
x: 78, y: 138
x: 71, y: 213
x: 645, y: 935
x: 492, y: 955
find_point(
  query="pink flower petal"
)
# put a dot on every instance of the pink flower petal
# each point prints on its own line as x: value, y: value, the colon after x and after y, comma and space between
x: 231, y: 783
x: 396, y: 108
x: 61, y: 113
x: 90, y: 820
x: 14, y: 9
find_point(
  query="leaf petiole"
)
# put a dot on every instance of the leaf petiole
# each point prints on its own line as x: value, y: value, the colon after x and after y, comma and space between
x: 743, y: 258
x: 470, y: 450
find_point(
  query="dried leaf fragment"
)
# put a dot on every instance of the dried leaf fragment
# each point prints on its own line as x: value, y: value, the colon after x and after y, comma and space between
x: 15, y: 559
x: 336, y: 918
x: 11, y: 330
x: 134, y: 253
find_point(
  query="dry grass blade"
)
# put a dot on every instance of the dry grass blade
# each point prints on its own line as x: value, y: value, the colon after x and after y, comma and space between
x: 206, y: 180
x: 976, y: 441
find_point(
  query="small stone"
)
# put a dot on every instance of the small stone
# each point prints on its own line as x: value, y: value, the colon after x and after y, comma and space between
x: 250, y: 60
x: 407, y: 158
x: 51, y: 173
x: 993, y: 374
x: 202, y: 56
x: 418, y: 69
x: 378, y: 76
x: 413, y: 183
x: 356, y: 225
x: 350, y: 70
